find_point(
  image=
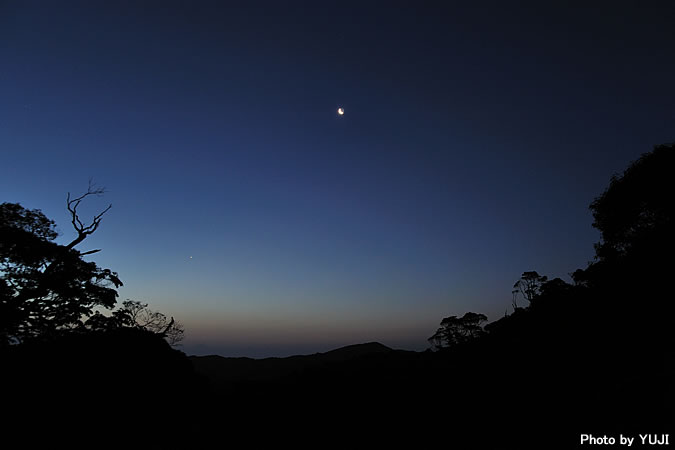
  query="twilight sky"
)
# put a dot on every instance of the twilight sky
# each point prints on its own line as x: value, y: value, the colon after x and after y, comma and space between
x: 473, y: 140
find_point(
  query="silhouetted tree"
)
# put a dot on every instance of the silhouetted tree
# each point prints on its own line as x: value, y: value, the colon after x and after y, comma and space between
x: 555, y: 288
x: 528, y: 286
x: 135, y: 314
x: 46, y: 287
x: 635, y: 218
x: 454, y: 330
x: 614, y: 323
x: 60, y: 355
x: 631, y: 275
x: 637, y: 208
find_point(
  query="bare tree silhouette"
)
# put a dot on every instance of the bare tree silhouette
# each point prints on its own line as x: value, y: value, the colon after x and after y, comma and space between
x: 85, y: 230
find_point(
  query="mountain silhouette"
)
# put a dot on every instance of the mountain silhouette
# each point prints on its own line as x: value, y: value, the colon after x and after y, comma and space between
x: 224, y: 371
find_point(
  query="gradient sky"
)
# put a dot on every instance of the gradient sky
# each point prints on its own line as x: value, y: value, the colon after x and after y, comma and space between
x: 473, y: 141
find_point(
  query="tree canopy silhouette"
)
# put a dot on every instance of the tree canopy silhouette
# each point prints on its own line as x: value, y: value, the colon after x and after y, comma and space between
x: 636, y: 210
x: 135, y: 314
x: 630, y: 277
x: 529, y: 286
x: 46, y: 287
x: 454, y: 330
x: 55, y: 342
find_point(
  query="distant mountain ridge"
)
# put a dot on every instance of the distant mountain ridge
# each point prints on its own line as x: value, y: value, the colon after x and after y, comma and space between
x: 223, y: 371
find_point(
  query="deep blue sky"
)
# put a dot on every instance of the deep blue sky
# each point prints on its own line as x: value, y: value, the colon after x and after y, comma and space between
x: 473, y: 141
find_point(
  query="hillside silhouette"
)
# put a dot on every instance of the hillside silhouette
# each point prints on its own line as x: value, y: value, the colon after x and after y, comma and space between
x: 592, y: 356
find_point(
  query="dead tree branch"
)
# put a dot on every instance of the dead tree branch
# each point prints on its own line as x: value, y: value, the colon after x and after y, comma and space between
x: 84, y: 230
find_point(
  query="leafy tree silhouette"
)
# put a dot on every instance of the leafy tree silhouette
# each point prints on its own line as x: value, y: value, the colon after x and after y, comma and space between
x: 46, y: 288
x: 632, y: 271
x: 617, y: 312
x: 636, y: 210
x: 135, y: 314
x: 66, y: 359
x: 454, y: 330
x: 528, y: 286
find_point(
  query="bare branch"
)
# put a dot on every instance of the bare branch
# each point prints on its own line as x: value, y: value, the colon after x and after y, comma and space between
x: 72, y: 204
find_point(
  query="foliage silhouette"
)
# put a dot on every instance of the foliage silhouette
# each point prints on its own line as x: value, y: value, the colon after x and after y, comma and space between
x: 135, y: 314
x: 62, y: 357
x: 46, y: 288
x: 636, y: 211
x: 633, y: 266
x: 454, y: 331
x: 528, y: 286
x: 595, y: 355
